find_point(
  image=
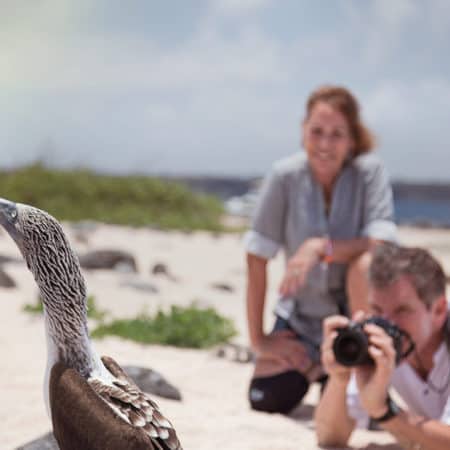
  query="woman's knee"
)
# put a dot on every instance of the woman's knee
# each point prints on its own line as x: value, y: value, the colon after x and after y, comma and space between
x: 278, y: 393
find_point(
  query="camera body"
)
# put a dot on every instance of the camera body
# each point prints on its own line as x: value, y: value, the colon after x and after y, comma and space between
x: 352, y: 343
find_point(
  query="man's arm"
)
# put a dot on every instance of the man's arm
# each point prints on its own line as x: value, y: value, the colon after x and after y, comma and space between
x: 417, y: 432
x: 333, y: 424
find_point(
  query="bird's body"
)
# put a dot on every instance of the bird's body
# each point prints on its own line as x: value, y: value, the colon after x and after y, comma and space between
x: 106, y: 409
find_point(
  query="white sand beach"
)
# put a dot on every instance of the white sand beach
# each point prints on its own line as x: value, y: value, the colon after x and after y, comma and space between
x: 214, y: 413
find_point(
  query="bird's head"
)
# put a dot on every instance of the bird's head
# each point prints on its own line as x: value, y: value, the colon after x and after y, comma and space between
x: 9, y: 219
x: 43, y: 244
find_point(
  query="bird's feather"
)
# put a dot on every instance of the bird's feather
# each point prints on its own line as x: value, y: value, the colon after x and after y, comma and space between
x: 134, y: 406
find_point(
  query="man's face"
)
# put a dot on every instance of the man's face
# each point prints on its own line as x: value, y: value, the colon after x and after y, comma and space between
x: 400, y: 304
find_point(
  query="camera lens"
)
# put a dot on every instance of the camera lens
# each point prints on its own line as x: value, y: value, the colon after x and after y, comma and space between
x: 350, y: 347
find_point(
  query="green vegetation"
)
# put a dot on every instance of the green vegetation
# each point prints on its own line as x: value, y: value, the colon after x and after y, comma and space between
x: 128, y: 200
x: 190, y: 327
x: 93, y: 312
x: 37, y: 308
x: 181, y: 327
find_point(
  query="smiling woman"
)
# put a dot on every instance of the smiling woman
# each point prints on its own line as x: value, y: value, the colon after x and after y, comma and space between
x: 332, y: 134
x: 325, y: 208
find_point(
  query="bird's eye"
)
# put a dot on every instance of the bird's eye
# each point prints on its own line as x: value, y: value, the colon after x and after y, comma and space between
x: 13, y: 214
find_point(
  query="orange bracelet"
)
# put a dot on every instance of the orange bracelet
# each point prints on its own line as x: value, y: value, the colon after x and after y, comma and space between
x: 328, y: 256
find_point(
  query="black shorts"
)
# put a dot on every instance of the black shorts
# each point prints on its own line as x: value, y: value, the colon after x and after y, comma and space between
x: 282, y: 392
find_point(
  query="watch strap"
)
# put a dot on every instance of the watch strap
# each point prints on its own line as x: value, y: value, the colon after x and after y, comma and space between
x: 392, y: 411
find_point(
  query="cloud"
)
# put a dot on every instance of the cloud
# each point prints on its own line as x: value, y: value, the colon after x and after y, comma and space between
x: 408, y: 119
x: 235, y: 8
x: 395, y: 14
x: 107, y: 62
x: 224, y: 96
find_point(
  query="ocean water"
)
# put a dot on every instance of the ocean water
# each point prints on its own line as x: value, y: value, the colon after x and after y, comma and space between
x: 431, y: 212
x: 426, y: 212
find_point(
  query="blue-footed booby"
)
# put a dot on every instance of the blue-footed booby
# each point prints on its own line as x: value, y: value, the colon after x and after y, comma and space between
x: 93, y: 404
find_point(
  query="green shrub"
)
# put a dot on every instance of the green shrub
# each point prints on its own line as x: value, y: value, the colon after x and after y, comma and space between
x: 181, y: 327
x: 37, y: 308
x: 128, y: 200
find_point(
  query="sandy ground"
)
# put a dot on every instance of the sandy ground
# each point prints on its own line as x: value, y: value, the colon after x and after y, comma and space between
x: 214, y: 412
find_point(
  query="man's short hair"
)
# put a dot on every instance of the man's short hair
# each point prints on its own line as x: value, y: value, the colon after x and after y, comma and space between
x: 390, y: 262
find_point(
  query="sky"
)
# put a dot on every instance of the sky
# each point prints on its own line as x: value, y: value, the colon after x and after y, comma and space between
x: 218, y: 87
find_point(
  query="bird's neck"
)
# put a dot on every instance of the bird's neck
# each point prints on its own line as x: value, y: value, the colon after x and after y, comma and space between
x: 67, y: 333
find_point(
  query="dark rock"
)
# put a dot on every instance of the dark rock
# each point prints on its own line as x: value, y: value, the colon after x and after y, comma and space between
x: 140, y: 286
x: 235, y: 352
x: 159, y: 268
x: 152, y: 382
x: 109, y: 259
x: 223, y: 287
x: 162, y: 269
x: 5, y: 280
x: 45, y: 442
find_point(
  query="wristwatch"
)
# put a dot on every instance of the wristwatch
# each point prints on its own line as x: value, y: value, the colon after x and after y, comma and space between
x: 393, y: 410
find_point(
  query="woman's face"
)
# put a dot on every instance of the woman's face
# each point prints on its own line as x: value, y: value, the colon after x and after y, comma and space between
x: 327, y: 140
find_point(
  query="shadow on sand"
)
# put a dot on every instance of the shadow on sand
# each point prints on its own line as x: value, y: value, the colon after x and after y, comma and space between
x: 305, y: 414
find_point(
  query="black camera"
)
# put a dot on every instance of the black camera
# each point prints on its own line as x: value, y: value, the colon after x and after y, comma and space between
x: 352, y: 343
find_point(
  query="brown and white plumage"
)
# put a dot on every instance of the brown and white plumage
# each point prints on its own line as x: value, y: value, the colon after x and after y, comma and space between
x: 94, y: 405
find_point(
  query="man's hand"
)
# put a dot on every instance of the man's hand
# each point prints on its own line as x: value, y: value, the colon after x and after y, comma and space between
x: 373, y: 381
x: 285, y: 350
x: 298, y: 267
x: 330, y: 365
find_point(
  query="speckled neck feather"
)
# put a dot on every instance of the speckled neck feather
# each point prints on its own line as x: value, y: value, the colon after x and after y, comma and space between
x: 57, y: 273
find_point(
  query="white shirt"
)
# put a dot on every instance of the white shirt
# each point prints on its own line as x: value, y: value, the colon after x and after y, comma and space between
x: 428, y: 398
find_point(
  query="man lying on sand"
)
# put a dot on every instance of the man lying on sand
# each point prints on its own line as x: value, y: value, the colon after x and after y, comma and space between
x: 407, y: 289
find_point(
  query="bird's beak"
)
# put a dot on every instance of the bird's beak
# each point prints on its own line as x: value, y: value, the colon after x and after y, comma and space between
x: 9, y: 213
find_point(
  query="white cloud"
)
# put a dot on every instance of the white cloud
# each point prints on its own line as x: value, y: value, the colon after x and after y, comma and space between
x: 409, y: 118
x: 379, y: 27
x: 103, y: 62
x: 439, y: 12
x: 395, y: 13
x: 235, y: 8
x: 226, y: 97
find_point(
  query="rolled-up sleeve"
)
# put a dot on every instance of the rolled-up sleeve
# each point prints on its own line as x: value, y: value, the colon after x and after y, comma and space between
x: 267, y: 231
x: 354, y: 407
x: 378, y: 205
x: 445, y: 418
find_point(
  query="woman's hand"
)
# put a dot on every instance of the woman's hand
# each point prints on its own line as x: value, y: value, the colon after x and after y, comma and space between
x: 298, y: 267
x: 285, y: 350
